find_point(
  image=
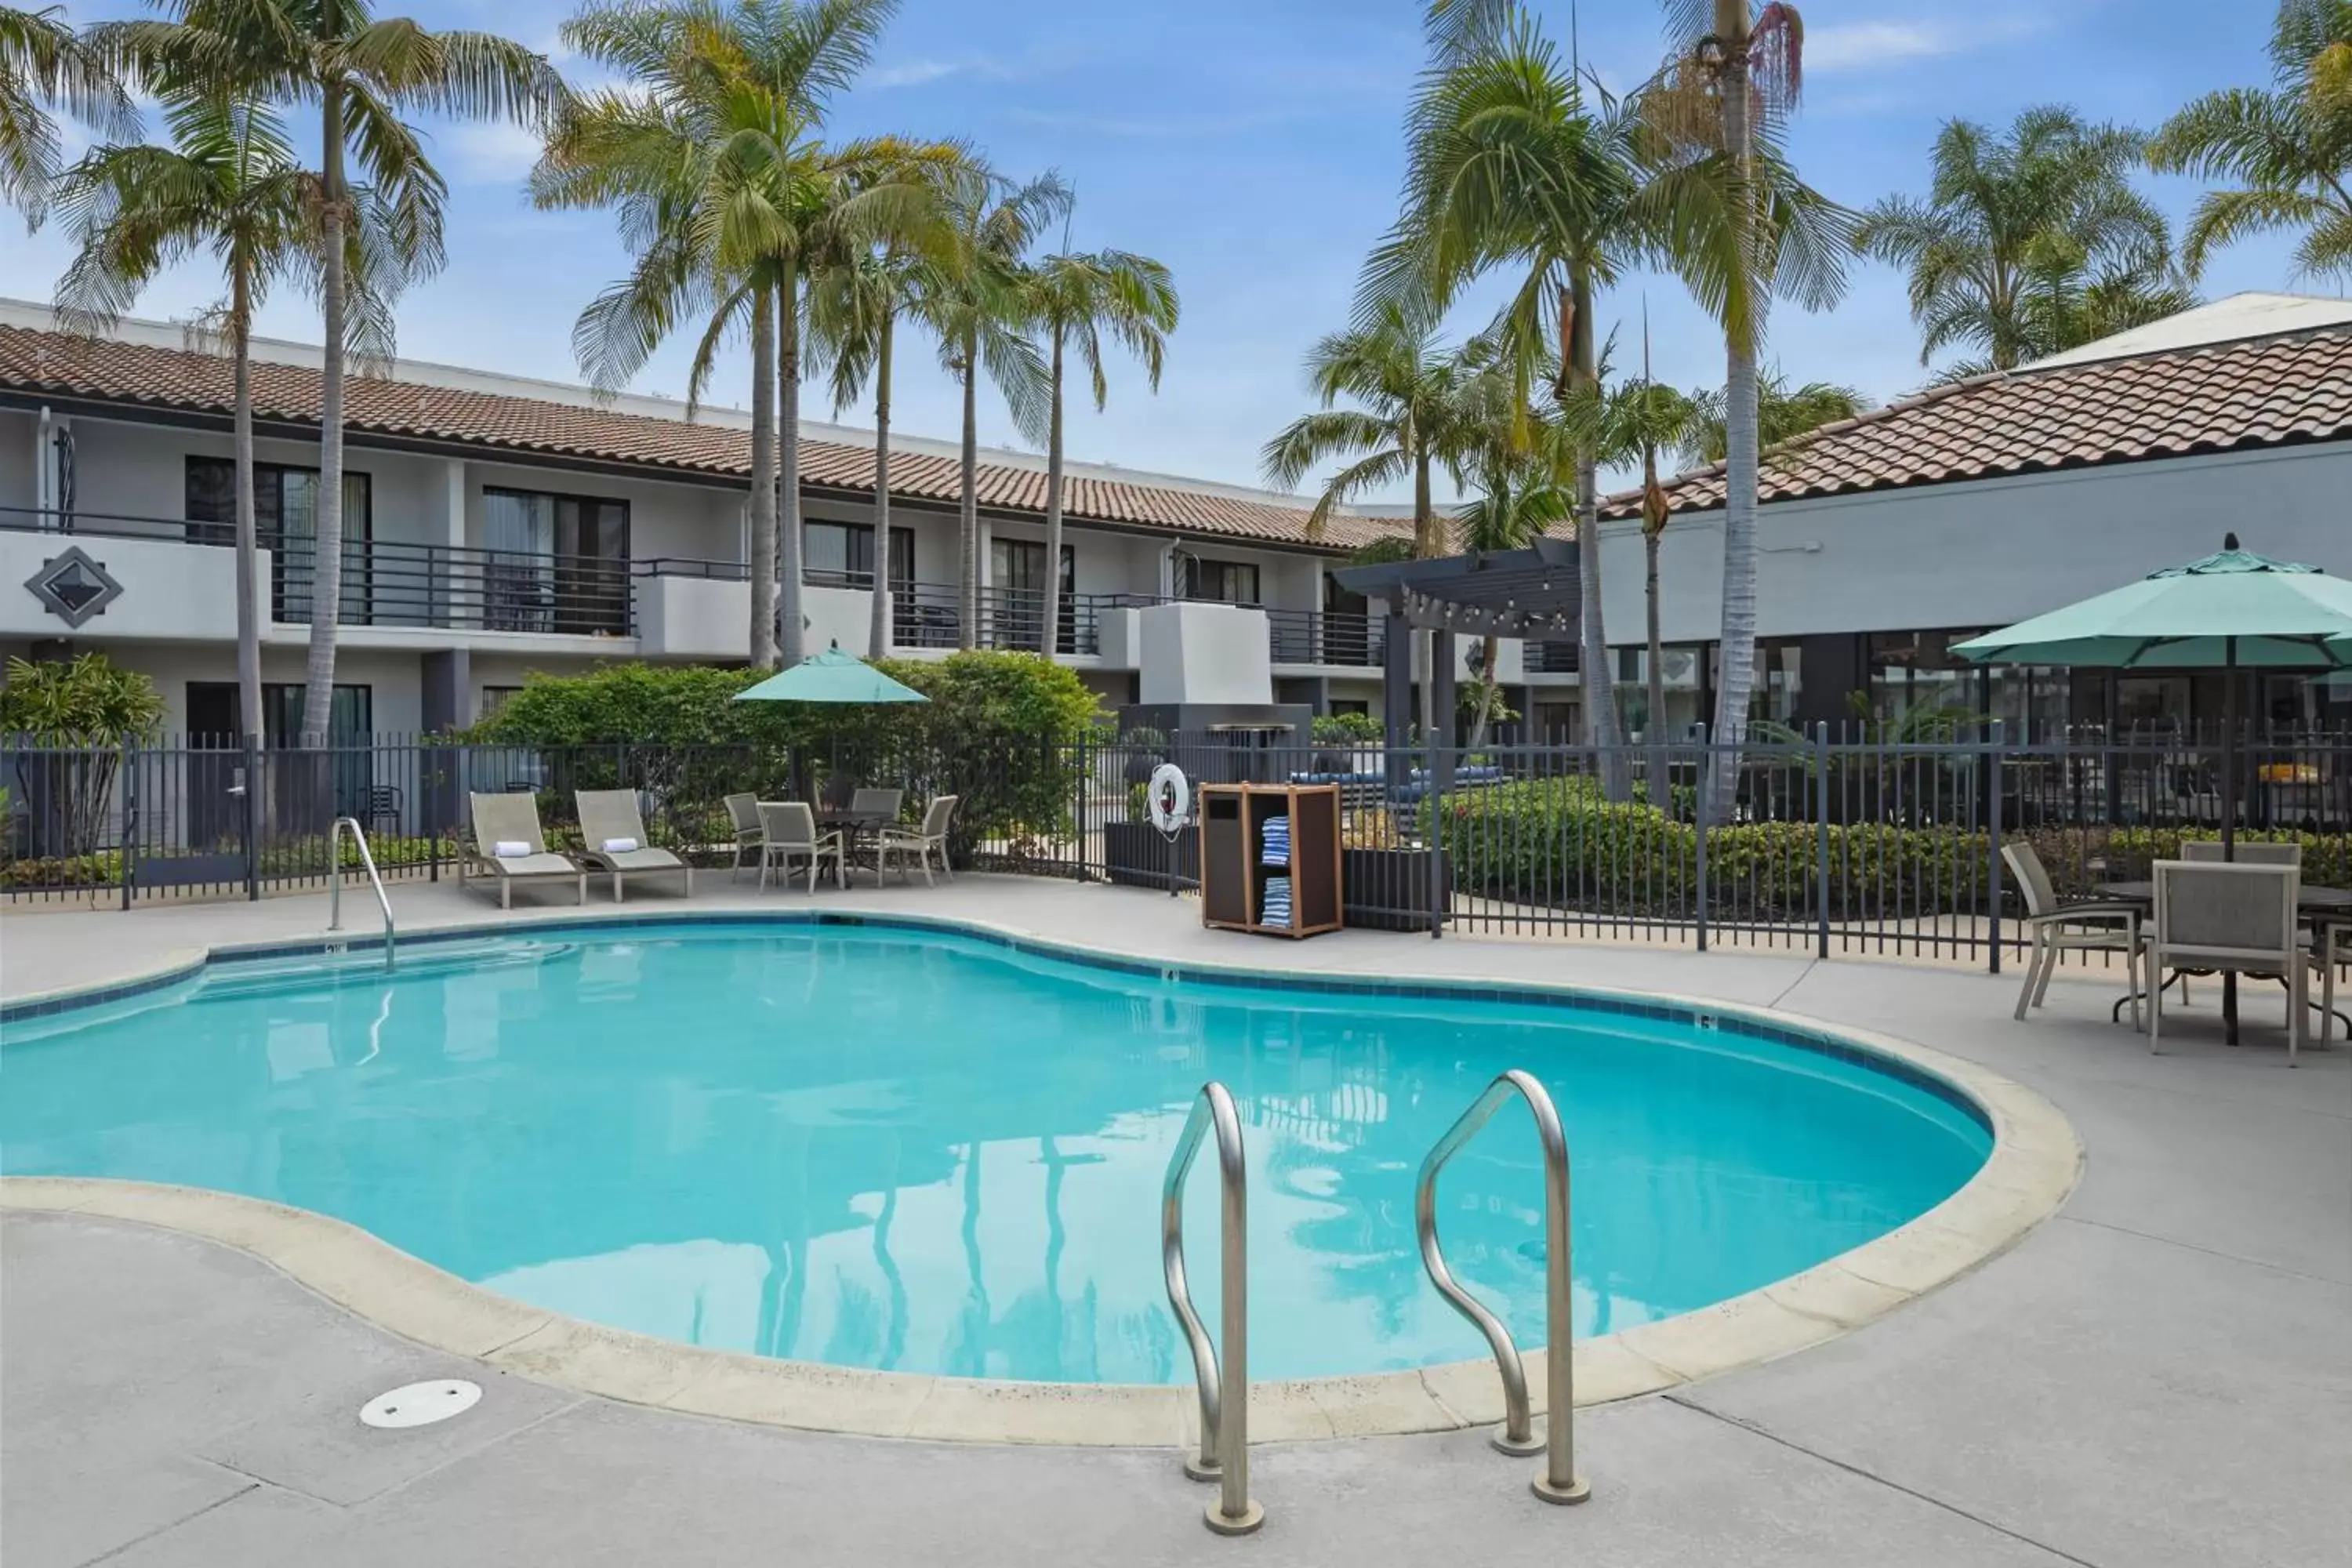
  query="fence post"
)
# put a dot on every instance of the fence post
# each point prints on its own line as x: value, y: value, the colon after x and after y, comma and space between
x: 1698, y: 818
x: 253, y: 804
x: 1822, y: 835
x: 1992, y: 864
x: 131, y: 818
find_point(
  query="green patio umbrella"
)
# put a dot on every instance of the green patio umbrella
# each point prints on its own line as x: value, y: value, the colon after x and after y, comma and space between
x: 832, y: 676
x: 2232, y: 611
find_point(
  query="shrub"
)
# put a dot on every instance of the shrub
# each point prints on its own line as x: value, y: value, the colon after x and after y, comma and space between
x: 1346, y: 730
x: 80, y: 713
x: 1555, y: 840
x: 997, y: 731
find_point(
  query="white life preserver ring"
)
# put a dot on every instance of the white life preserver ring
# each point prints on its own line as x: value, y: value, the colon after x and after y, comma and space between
x: 1171, y: 796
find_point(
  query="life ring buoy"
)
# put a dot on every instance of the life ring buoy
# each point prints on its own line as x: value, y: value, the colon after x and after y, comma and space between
x: 1171, y: 796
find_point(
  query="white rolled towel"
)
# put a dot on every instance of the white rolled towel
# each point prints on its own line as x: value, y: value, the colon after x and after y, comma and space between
x: 620, y: 846
x: 510, y: 848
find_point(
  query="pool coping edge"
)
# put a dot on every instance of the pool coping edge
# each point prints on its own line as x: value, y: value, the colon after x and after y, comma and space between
x: 2033, y: 1164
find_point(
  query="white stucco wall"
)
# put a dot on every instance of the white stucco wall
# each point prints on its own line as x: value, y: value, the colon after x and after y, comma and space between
x: 1203, y: 653
x: 1985, y: 552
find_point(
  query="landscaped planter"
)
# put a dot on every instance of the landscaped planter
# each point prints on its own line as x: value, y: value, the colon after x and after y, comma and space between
x: 1137, y: 855
x: 1388, y: 890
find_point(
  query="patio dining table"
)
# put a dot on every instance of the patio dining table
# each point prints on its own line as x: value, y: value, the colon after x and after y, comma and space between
x: 854, y: 826
x: 2317, y: 906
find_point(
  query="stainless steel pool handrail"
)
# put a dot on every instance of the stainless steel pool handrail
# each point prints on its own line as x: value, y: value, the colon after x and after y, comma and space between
x: 1224, y: 1388
x: 1558, y: 1481
x: 335, y: 881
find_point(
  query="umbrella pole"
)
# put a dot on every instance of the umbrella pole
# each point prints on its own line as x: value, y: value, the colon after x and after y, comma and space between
x: 2229, y: 807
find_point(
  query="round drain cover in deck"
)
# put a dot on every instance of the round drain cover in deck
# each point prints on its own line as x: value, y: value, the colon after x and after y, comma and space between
x: 422, y: 1404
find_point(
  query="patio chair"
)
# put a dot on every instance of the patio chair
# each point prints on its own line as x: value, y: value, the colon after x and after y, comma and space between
x: 2053, y: 928
x: 2208, y: 852
x: 788, y: 833
x: 613, y: 838
x: 2236, y: 918
x: 508, y: 848
x: 881, y: 803
x: 922, y: 843
x: 743, y: 811
x: 2331, y: 949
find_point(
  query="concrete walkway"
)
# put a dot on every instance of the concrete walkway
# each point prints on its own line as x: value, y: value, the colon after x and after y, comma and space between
x: 2160, y: 1375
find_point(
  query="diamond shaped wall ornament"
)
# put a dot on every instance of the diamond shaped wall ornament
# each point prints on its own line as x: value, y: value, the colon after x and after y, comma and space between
x: 73, y: 587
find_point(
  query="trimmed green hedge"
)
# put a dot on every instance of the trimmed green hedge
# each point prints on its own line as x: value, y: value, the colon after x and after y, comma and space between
x: 1556, y: 841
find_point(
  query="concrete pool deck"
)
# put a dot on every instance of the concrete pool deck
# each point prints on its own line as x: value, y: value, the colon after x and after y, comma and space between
x: 2161, y: 1373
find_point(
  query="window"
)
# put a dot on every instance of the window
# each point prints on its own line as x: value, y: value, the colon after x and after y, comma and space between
x: 555, y: 562
x: 1918, y: 670
x: 1224, y: 582
x: 286, y: 519
x: 841, y: 554
x: 1680, y: 688
x: 1016, y: 570
x: 493, y: 699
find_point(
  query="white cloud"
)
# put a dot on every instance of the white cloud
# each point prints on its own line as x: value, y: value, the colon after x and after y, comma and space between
x: 920, y: 72
x: 1848, y: 46
x: 489, y: 153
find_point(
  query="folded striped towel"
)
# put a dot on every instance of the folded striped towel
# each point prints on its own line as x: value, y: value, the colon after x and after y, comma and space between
x: 620, y: 846
x: 1274, y: 840
x: 1276, y: 910
x: 510, y: 849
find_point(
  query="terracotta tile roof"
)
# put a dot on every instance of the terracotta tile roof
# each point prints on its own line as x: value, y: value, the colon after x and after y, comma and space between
x: 140, y: 375
x: 2218, y: 398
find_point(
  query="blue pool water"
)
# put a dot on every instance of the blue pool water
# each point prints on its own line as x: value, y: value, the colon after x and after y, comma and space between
x: 927, y: 1153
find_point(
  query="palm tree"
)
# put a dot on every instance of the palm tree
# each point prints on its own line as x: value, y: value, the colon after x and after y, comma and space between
x: 1525, y: 480
x: 232, y: 187
x: 2010, y: 223
x: 363, y: 71
x: 1721, y: 103
x: 725, y: 194
x: 1415, y: 411
x: 1784, y: 414
x: 1075, y: 298
x: 1509, y: 164
x: 857, y: 297
x: 1633, y: 423
x: 2291, y: 147
x: 44, y: 61
x: 978, y: 311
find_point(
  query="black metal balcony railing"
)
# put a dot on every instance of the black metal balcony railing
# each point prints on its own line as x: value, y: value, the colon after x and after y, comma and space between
x: 390, y: 582
x: 1327, y: 637
x: 1549, y: 658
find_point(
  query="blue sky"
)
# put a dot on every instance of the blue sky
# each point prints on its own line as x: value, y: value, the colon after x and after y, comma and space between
x: 1253, y: 146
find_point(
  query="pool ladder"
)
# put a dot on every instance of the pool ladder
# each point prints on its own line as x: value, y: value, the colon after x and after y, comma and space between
x: 1558, y: 1481
x: 335, y: 881
x: 1223, y: 1387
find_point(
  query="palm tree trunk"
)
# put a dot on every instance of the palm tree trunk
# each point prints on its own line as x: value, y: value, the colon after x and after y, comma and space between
x: 968, y: 562
x: 791, y: 545
x: 248, y: 544
x: 1049, y: 639
x: 1424, y: 548
x: 878, y: 635
x: 1602, y: 730
x: 327, y: 532
x: 1738, y: 638
x: 1490, y: 650
x: 763, y: 481
x: 1654, y: 729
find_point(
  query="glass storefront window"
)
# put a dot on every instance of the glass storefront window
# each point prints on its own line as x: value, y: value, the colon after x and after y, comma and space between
x: 1679, y: 667
x: 1911, y: 671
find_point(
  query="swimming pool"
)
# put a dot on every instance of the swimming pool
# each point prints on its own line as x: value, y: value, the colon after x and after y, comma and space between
x: 922, y: 1152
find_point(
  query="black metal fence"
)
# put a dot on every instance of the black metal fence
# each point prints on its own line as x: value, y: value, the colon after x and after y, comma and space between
x: 1836, y: 845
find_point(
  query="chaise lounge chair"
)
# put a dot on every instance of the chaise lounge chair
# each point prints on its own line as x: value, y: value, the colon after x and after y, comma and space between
x: 508, y: 848
x: 613, y: 838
